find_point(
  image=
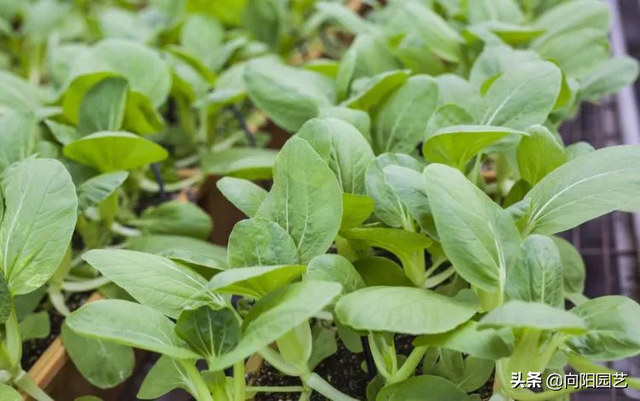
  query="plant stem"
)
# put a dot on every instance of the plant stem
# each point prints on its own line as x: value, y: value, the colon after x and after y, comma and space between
x: 85, y: 285
x: 34, y: 65
x: 275, y: 389
x: 13, y: 339
x: 239, y: 383
x: 409, y: 366
x: 439, y: 278
x: 148, y: 185
x: 57, y: 300
x: 378, y: 358
x: 202, y: 391
x: 274, y: 359
x: 25, y: 383
x: 323, y: 387
x: 119, y: 229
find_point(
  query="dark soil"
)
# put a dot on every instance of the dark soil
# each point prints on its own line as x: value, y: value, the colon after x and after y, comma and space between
x: 33, y: 349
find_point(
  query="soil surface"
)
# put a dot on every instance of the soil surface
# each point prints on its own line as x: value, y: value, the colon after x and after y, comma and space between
x: 33, y: 349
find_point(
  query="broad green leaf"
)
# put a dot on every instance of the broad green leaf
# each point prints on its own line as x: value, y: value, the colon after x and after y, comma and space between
x: 380, y: 271
x: 477, y: 373
x: 7, y: 393
x: 267, y: 21
x: 42, y: 17
x: 487, y: 344
x: 40, y: 211
x: 369, y: 91
x: 344, y: 16
x: 177, y: 218
x: 194, y: 258
x: 539, y: 153
x: 537, y: 274
x: 324, y: 345
x: 244, y: 194
x: 247, y: 163
x: 494, y: 10
x: 255, y: 282
x: 17, y: 94
x: 305, y: 199
x: 522, y: 96
x: 140, y: 115
x: 102, y: 363
x: 165, y: 243
x: 99, y: 188
x: 209, y: 332
x: 408, y: 186
x: 131, y: 324
x: 260, y: 242
x: 63, y: 133
x: 613, y: 330
x: 335, y: 268
x: 578, y: 149
x: 344, y: 149
x: 152, y: 280
x: 455, y: 90
x: 116, y: 22
x: 166, y: 375
x: 424, y: 388
x: 388, y: 207
x: 358, y: 118
x: 227, y: 11
x: 289, y: 96
x: 446, y: 116
x: 113, y: 151
x: 608, y: 78
x: 387, y: 309
x: 355, y: 210
x: 202, y: 37
x: 585, y: 188
x: 573, y: 15
x: 18, y: 137
x: 573, y: 268
x: 103, y: 106
x: 477, y: 235
x: 509, y: 33
x: 535, y: 315
x: 277, y: 314
x: 35, y: 326
x: 456, y: 145
x: 496, y: 59
x: 402, y: 119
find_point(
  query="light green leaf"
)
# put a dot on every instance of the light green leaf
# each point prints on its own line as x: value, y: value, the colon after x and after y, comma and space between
x: 9, y: 394
x: 380, y: 271
x: 103, y: 364
x: 289, y: 96
x: 255, y: 282
x: 585, y: 188
x: 209, y: 332
x: 344, y: 16
x: 202, y: 37
x: 424, y: 388
x: 344, y: 149
x: 99, y: 188
x: 369, y: 91
x: 159, y: 244
x: 477, y: 235
x: 305, y: 199
x: 573, y: 268
x: 358, y: 118
x: 608, y: 78
x: 519, y: 314
x: 267, y: 21
x: 446, y: 116
x: 408, y: 186
x: 260, y: 242
x: 63, y: 133
x: 539, y: 153
x: 103, y: 106
x: 40, y: 211
x: 401, y: 121
x: 456, y: 145
x: 537, y: 274
x: 455, y: 90
x: 35, y: 326
x: 337, y: 269
x: 131, y: 324
x: 496, y: 59
x: 324, y: 345
x: 152, y: 280
x: 113, y: 151
x: 227, y: 11
x: 18, y: 137
x: 194, y: 258
x: 386, y: 309
x: 166, y: 375
x: 277, y: 314
x: 176, y: 218
x: 494, y: 10
x: 17, y: 94
x: 573, y: 15
x: 613, y: 330
x: 356, y: 209
x: 116, y: 22
x: 247, y: 163
x: 244, y: 194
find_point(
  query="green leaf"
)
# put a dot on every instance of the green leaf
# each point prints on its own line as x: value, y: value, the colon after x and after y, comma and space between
x: 584, y: 188
x: 129, y: 324
x: 103, y: 106
x: 277, y: 314
x: 476, y: 373
x: 496, y: 59
x: 115, y: 22
x: 613, y: 330
x: 260, y: 242
x: 401, y: 121
x: 103, y: 364
x: 388, y: 207
x: 424, y: 388
x: 35, y: 326
x: 455, y: 90
x: 477, y: 235
x: 537, y: 274
x: 6, y: 303
x: 176, y: 218
x: 166, y: 375
x: 289, y: 96
x: 305, y: 199
x: 194, y: 258
x: 408, y: 186
x: 344, y: 16
x: 522, y: 96
x: 539, y: 153
x: 387, y: 309
x: 369, y: 91
x: 255, y: 282
x: 165, y: 243
x: 355, y: 210
x: 227, y: 11
x: 40, y: 211
x: 17, y: 94
x: 573, y: 268
x: 608, y: 78
x: 202, y: 37
x: 152, y: 280
x: 209, y: 332
x: 446, y: 116
x: 494, y: 10
x: 324, y: 345
x: 9, y: 394
x: 337, y: 269
x: 487, y: 344
x: 18, y: 139
x: 344, y: 149
x: 519, y: 314
x: 114, y: 151
x: 456, y: 145
x: 358, y: 118
x: 267, y: 21
x: 247, y: 163
x: 63, y: 133
x: 244, y: 194
x: 379, y: 271
x: 99, y: 188
x: 573, y: 16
